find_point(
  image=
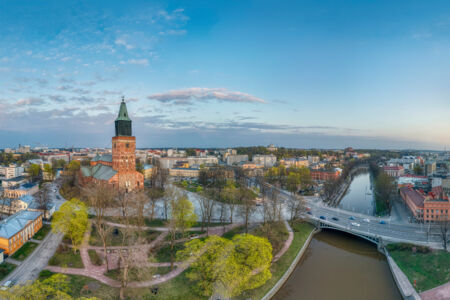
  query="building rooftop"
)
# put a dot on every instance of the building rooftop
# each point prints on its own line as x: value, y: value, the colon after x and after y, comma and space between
x: 99, y: 171
x: 15, y: 223
x: 414, y: 195
x: 104, y: 157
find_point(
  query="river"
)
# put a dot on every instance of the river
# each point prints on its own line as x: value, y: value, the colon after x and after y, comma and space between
x: 359, y: 196
x: 339, y: 266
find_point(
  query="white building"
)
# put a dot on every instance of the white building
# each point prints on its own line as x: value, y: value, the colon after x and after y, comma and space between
x: 235, y: 159
x: 267, y: 161
x: 11, y: 171
x: 208, y: 160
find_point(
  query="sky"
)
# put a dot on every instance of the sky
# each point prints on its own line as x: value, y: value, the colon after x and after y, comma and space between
x: 307, y: 74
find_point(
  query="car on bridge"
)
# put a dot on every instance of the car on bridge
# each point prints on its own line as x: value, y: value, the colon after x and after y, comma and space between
x: 322, y: 217
x: 335, y: 219
x: 352, y: 218
x: 366, y: 220
x: 309, y: 213
x: 382, y: 222
x: 355, y: 224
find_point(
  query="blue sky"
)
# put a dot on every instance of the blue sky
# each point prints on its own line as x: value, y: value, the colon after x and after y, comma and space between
x: 326, y: 74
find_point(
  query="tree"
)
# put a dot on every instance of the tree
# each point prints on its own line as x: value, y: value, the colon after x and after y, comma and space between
x: 182, y: 217
x: 49, y: 171
x: 72, y: 220
x: 296, y: 206
x: 34, y: 170
x: 247, y: 200
x: 418, y: 170
x: 228, y: 195
x: 224, y: 267
x: 100, y: 197
x: 330, y: 189
x: 206, y: 204
x: 43, y: 199
x: 384, y: 188
x: 55, y: 287
x: 444, y: 229
x: 154, y: 194
x: 293, y: 181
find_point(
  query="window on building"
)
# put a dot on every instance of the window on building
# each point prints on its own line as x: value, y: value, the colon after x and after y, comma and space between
x: 127, y: 145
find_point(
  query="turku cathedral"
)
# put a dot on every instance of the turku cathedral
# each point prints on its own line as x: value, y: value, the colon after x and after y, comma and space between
x: 119, y: 168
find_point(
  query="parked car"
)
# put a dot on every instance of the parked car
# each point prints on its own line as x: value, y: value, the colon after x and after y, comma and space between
x: 355, y: 224
x: 309, y: 213
x: 322, y: 217
x: 335, y: 219
x: 308, y: 208
x: 382, y: 222
x: 6, y: 285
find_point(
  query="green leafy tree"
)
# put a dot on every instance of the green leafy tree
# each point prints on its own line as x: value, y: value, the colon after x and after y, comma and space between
x: 72, y: 220
x: 418, y: 170
x: 55, y: 287
x: 221, y: 266
x: 34, y: 170
x: 293, y: 181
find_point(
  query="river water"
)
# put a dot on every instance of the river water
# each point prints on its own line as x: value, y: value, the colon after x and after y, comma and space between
x: 340, y: 266
x: 359, y: 196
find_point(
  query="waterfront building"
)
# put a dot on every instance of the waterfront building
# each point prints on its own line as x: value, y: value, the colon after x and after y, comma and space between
x: 119, y: 168
x: 324, y: 175
x: 17, y: 229
x: 430, y: 207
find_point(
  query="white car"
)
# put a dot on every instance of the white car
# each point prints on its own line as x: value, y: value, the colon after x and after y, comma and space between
x: 366, y: 220
x: 355, y: 224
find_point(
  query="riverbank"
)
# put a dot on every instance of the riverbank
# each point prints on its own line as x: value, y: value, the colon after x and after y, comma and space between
x: 282, y: 268
x: 427, y: 268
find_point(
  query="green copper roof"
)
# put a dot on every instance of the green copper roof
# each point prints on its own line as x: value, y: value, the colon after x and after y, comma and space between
x: 123, y: 113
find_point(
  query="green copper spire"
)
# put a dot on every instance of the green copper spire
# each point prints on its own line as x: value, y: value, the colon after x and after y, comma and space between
x: 123, y: 113
x: 123, y: 121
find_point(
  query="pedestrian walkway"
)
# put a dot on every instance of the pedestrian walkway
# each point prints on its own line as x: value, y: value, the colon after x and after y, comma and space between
x: 438, y: 293
x: 13, y: 261
x: 98, y: 272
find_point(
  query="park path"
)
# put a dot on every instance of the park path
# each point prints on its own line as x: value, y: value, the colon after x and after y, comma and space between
x: 98, y: 272
x: 287, y: 243
x: 438, y: 293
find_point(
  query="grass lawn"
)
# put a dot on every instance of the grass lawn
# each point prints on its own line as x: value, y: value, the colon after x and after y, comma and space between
x: 179, y: 235
x: 428, y: 269
x: 24, y: 251
x: 115, y: 239
x: 81, y: 286
x: 233, y: 232
x: 42, y: 233
x: 163, y: 253
x: 64, y: 257
x: 301, y: 233
x: 5, y: 269
x: 95, y: 259
x: 141, y: 274
x: 178, y: 288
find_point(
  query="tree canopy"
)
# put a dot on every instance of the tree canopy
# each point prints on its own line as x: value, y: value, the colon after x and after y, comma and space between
x: 72, y: 220
x: 54, y: 287
x: 228, y: 267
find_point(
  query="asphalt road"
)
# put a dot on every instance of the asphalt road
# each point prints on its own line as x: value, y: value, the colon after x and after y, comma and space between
x: 30, y: 268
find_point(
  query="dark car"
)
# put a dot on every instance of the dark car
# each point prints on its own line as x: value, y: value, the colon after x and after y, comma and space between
x: 382, y: 222
x: 322, y: 217
x: 309, y: 213
x: 352, y: 218
x: 335, y: 219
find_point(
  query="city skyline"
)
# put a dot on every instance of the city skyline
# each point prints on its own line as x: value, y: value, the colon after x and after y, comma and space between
x: 204, y: 74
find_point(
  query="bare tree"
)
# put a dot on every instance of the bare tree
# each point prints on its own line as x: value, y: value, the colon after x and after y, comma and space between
x: 247, y: 207
x: 100, y: 197
x: 444, y: 230
x: 296, y: 206
x: 206, y: 208
x: 43, y: 199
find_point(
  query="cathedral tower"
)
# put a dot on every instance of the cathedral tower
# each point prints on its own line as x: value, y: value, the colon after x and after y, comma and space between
x: 123, y: 151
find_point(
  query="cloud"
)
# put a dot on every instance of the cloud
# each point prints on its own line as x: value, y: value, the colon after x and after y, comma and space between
x: 141, y: 62
x: 186, y: 96
x: 123, y: 42
x: 30, y: 101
